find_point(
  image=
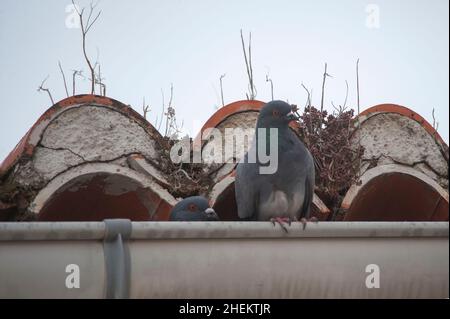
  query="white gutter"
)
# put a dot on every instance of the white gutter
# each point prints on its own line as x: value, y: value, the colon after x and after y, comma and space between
x: 120, y: 259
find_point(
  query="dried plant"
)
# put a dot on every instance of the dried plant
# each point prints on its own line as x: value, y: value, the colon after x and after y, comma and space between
x: 99, y: 79
x: 64, y: 78
x: 309, y: 98
x: 435, y: 123
x: 85, y: 27
x: 171, y: 126
x: 327, y: 136
x: 145, y: 108
x: 75, y: 73
x: 248, y: 64
x: 221, y: 89
x: 268, y: 79
x: 337, y: 159
x: 42, y: 88
x: 325, y: 75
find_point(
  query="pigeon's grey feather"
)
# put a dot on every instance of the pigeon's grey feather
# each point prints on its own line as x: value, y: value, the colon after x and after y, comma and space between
x: 289, y: 191
x: 195, y: 208
x: 309, y: 193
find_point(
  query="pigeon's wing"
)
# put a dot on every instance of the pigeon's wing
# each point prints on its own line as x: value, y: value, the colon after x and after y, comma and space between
x: 245, y: 190
x: 309, y: 193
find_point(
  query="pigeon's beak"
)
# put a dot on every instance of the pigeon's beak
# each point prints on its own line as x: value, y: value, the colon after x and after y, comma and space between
x: 211, y: 214
x: 291, y: 117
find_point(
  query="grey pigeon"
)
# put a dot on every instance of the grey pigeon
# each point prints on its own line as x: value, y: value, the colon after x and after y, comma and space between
x: 286, y: 195
x: 195, y: 208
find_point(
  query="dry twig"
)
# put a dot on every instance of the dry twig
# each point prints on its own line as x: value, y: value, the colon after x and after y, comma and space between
x: 221, y: 89
x: 308, y: 100
x: 435, y: 123
x: 325, y: 75
x: 271, y: 85
x: 41, y: 88
x: 75, y: 73
x: 64, y: 78
x: 99, y: 80
x: 357, y: 84
x: 248, y: 64
x: 145, y: 108
x: 85, y: 27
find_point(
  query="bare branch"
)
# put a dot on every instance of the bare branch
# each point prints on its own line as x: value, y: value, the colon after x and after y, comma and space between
x: 221, y: 89
x: 89, y: 25
x: 357, y: 83
x: 162, y: 112
x: 341, y: 108
x: 41, y: 88
x: 171, y: 127
x: 170, y: 112
x: 325, y: 75
x: 64, y: 78
x: 171, y: 94
x: 435, y: 123
x: 98, y: 76
x: 434, y: 120
x: 338, y: 109
x: 252, y: 86
x: 76, y: 8
x: 84, y: 30
x: 145, y: 108
x: 248, y: 65
x: 346, y: 94
x: 167, y: 121
x: 358, y: 109
x: 74, y: 74
x: 271, y: 85
x: 99, y: 80
x: 308, y: 101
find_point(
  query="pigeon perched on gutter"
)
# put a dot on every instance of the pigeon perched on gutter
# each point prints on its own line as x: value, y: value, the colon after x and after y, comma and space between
x: 285, y: 194
x: 195, y: 208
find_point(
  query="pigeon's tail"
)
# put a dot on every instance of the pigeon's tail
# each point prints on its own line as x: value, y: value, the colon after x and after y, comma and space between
x: 309, y: 192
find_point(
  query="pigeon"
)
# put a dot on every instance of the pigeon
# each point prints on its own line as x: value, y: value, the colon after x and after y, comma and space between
x: 286, y: 194
x: 194, y: 208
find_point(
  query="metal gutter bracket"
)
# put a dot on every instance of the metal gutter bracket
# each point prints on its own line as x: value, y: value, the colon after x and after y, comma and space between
x: 117, y: 258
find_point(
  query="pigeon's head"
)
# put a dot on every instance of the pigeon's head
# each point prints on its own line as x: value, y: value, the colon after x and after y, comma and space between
x: 276, y: 114
x: 195, y: 208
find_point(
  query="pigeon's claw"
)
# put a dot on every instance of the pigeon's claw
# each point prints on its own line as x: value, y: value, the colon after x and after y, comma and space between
x: 282, y: 221
x: 306, y: 220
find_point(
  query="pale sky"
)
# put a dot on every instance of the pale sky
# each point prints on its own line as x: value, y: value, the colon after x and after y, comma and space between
x: 146, y: 45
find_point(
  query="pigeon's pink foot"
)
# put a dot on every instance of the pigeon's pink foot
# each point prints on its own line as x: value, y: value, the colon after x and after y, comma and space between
x: 306, y: 220
x: 282, y: 221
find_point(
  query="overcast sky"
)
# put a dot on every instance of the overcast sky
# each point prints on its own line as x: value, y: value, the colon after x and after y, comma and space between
x: 144, y: 46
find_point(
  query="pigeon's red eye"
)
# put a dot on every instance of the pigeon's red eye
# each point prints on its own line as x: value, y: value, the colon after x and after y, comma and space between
x: 192, y: 207
x: 276, y: 113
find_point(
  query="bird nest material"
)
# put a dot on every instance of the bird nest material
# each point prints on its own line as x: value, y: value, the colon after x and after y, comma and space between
x: 185, y: 179
x: 337, y: 160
